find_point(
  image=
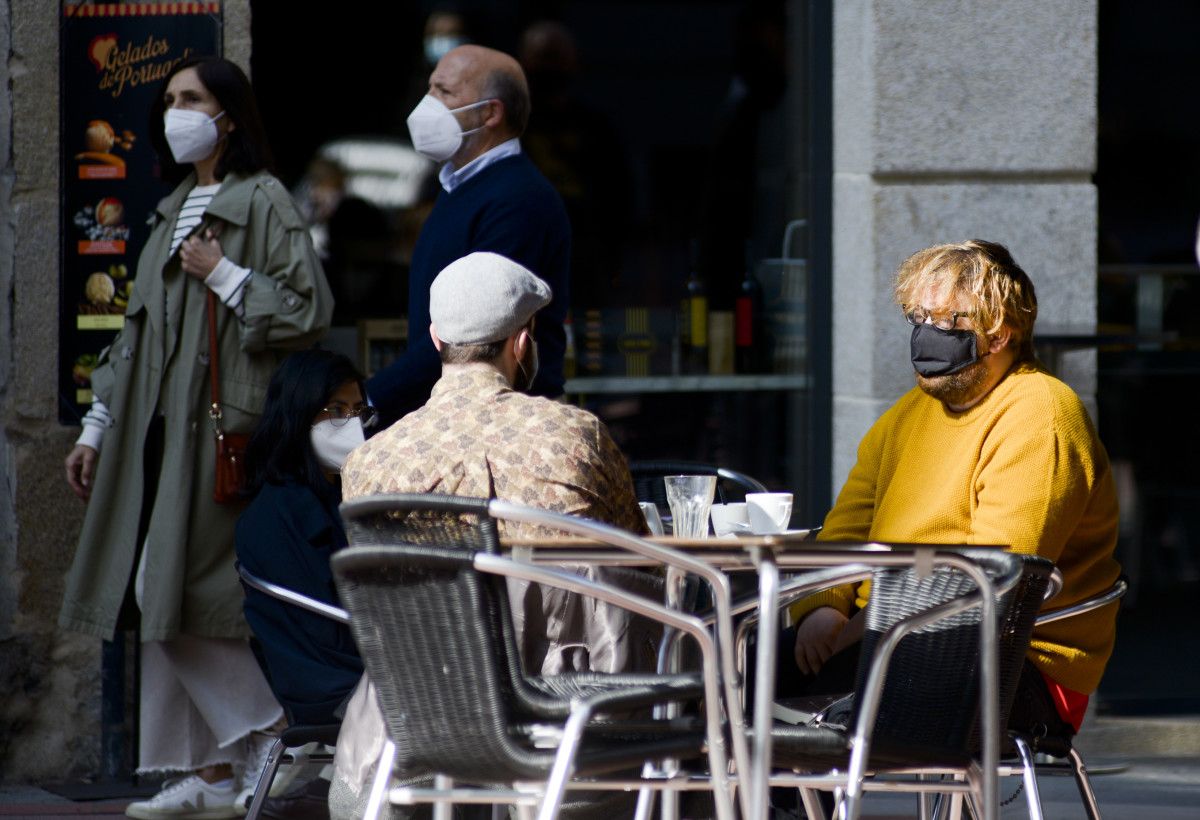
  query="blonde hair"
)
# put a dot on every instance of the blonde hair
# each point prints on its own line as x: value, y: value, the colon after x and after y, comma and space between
x: 1000, y: 292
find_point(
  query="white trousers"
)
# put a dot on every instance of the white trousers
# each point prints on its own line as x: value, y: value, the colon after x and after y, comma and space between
x: 200, y: 698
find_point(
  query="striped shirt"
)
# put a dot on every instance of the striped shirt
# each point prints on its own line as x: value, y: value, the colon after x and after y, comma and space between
x: 191, y: 212
x: 227, y: 280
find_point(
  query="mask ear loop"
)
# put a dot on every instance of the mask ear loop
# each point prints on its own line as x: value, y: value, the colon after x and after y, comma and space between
x: 469, y: 106
x: 521, y: 364
x: 467, y: 133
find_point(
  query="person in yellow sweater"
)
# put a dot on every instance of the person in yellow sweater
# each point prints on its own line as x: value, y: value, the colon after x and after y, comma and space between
x: 988, y: 448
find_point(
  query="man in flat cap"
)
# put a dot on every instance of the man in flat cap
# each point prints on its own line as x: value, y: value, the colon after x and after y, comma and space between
x: 478, y: 435
x: 478, y: 432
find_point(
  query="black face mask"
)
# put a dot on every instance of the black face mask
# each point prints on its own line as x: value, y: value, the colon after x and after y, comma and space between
x: 937, y: 352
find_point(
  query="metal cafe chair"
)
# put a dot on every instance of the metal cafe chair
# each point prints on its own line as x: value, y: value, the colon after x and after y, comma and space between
x: 922, y: 686
x: 296, y: 735
x: 676, y: 562
x: 429, y: 611
x: 1055, y: 745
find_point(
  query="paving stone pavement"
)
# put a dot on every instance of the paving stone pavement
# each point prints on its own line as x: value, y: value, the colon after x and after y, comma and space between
x: 1133, y: 786
x: 1143, y: 767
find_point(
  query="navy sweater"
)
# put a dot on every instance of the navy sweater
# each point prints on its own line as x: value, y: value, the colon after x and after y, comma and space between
x: 508, y: 208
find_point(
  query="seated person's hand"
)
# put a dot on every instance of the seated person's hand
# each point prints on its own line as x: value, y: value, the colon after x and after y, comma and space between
x: 817, y: 638
x: 852, y: 632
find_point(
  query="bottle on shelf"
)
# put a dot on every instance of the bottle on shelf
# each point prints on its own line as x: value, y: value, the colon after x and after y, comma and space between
x: 569, y: 354
x: 694, y: 321
x: 748, y: 320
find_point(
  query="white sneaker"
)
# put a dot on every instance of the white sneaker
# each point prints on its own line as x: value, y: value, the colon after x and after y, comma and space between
x: 258, y: 747
x: 187, y: 797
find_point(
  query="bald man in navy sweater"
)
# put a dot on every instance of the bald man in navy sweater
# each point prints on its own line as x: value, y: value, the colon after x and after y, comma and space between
x: 492, y: 199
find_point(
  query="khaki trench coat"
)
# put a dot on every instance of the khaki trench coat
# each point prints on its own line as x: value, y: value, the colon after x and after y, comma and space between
x: 158, y: 364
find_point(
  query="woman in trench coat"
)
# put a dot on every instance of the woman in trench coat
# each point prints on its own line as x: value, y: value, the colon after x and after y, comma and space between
x: 156, y: 551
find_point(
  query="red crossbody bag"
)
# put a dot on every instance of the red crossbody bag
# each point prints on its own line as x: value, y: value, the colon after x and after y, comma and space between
x: 230, y: 484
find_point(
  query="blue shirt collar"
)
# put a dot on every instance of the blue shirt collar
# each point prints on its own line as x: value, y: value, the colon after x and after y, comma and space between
x: 452, y: 178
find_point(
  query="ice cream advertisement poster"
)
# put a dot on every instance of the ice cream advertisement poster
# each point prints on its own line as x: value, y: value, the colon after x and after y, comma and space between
x: 114, y: 59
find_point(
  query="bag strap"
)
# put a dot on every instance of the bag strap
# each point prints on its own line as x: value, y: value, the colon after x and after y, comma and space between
x: 214, y: 412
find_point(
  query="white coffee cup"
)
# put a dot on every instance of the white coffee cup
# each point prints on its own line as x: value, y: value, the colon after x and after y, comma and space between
x: 769, y: 512
x: 730, y: 518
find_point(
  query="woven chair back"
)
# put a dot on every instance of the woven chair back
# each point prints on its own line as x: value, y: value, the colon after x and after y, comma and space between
x: 420, y: 518
x: 448, y: 522
x: 930, y: 701
x: 427, y: 626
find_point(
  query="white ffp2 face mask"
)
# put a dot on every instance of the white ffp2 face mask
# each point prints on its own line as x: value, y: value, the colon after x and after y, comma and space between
x: 332, y: 444
x: 191, y: 135
x: 435, y: 130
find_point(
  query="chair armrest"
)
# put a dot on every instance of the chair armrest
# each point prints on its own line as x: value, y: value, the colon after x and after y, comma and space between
x: 584, y: 684
x: 799, y: 586
x: 1054, y: 584
x: 298, y: 735
x: 607, y: 534
x: 633, y: 697
x: 569, y: 581
x: 1110, y: 595
x: 750, y: 483
x: 290, y: 596
x: 985, y: 596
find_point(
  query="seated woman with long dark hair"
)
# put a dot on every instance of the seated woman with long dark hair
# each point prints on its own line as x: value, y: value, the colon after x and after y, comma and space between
x: 315, y: 414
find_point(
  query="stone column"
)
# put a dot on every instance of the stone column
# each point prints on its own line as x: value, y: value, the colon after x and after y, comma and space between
x: 956, y: 119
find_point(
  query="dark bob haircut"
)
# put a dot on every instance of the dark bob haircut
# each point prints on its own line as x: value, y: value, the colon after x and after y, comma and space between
x: 280, y: 448
x: 246, y: 150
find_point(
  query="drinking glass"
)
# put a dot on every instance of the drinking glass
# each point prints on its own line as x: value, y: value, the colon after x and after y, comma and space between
x: 653, y: 519
x: 690, y: 498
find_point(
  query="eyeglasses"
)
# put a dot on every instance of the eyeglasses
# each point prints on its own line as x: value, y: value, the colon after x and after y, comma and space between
x: 917, y: 315
x: 339, y: 414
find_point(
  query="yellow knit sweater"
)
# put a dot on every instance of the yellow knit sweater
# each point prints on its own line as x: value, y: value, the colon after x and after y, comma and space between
x: 1022, y: 468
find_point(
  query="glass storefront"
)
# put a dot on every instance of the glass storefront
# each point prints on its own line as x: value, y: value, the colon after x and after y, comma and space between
x: 677, y: 135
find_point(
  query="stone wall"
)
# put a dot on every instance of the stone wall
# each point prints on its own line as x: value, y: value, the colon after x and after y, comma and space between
x: 49, y: 714
x: 952, y: 121
x: 7, y: 514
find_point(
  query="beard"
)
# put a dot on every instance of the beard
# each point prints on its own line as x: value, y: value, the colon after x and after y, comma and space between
x: 956, y: 389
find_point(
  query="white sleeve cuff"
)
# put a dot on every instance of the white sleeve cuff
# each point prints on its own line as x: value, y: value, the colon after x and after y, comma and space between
x: 228, y: 281
x: 91, y: 436
x: 95, y: 422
